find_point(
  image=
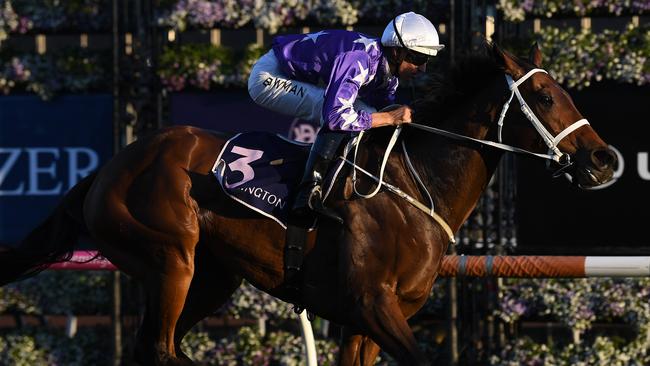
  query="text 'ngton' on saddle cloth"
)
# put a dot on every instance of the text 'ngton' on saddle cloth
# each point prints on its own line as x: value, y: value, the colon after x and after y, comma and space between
x: 262, y: 170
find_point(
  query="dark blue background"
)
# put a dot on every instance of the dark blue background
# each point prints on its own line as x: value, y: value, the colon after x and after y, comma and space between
x: 227, y: 111
x: 67, y: 121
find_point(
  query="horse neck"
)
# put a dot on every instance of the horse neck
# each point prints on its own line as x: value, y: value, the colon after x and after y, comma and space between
x: 455, y: 173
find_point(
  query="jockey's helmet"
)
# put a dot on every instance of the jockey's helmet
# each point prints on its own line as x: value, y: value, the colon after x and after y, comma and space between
x: 413, y: 32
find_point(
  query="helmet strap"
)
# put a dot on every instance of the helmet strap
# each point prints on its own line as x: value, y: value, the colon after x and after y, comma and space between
x: 399, y: 36
x: 400, y: 55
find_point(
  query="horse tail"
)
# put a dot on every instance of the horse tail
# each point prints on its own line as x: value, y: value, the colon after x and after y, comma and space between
x: 51, y: 242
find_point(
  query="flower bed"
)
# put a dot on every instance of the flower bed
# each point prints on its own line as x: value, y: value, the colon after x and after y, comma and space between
x: 55, y: 15
x: 203, y: 66
x: 74, y: 71
x: 577, y: 304
x: 579, y: 58
x: 275, y: 14
x: 518, y: 10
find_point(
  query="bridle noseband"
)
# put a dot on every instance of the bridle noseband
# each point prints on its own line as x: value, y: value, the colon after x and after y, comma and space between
x: 551, y: 141
x: 553, y: 154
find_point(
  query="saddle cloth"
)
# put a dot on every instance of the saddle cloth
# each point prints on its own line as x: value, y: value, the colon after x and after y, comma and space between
x: 262, y: 171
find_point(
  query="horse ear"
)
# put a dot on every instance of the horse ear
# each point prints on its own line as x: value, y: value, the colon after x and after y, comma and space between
x: 507, y: 61
x: 535, y: 55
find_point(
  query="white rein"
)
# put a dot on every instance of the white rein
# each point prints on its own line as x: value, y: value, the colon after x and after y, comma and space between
x: 551, y: 141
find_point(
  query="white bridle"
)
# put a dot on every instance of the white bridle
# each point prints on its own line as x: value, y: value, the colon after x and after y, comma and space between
x: 553, y: 152
x: 551, y: 141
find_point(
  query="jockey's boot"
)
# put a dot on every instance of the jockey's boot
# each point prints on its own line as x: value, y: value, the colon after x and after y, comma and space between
x: 310, y: 196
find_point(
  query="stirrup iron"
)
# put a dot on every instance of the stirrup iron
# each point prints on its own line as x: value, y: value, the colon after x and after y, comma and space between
x: 316, y: 204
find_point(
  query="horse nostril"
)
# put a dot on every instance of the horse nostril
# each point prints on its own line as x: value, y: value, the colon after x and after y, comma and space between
x: 603, y: 158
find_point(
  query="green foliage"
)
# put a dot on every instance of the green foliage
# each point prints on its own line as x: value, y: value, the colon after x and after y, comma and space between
x: 54, y: 15
x: 275, y: 14
x: 517, y: 10
x: 198, y: 346
x: 578, y: 59
x: 577, y: 304
x: 71, y: 70
x: 200, y: 66
x: 249, y: 348
x: 249, y: 302
x: 40, y: 347
x: 59, y: 293
x: 21, y: 350
x: 251, y: 55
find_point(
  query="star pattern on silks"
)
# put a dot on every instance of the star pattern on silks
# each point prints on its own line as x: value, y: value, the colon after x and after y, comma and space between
x: 363, y: 74
x: 313, y: 36
x: 367, y: 42
x: 346, y: 103
x: 350, y: 118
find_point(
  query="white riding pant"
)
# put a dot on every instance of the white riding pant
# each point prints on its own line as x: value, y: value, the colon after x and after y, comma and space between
x: 270, y: 88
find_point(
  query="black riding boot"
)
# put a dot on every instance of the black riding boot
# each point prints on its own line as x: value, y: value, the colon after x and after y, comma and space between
x: 310, y: 196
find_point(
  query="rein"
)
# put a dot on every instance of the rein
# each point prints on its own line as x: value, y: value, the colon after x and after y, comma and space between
x: 554, y: 153
x: 551, y: 141
x: 391, y: 188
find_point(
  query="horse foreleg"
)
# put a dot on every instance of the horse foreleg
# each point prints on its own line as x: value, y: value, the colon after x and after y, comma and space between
x: 350, y: 348
x: 357, y: 350
x: 210, y: 288
x: 382, y: 319
x: 369, y: 352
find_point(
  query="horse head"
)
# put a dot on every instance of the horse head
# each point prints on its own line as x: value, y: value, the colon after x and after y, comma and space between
x: 562, y: 132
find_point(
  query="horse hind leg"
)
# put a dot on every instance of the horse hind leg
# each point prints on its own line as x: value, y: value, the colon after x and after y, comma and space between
x: 164, y: 265
x: 211, y: 287
x: 165, y: 291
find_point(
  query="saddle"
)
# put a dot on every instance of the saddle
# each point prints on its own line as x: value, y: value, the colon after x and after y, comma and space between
x: 262, y: 171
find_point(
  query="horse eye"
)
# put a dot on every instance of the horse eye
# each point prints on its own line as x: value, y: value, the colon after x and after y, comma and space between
x: 546, y: 99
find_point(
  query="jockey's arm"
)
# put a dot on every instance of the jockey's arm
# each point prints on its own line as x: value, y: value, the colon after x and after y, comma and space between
x: 349, y: 73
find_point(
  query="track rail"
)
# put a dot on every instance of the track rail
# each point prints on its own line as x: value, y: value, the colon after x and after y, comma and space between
x: 473, y: 266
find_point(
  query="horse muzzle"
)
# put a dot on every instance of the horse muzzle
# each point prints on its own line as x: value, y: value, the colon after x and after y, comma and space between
x: 594, y: 167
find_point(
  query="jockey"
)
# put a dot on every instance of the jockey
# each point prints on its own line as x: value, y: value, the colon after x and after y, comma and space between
x: 322, y: 77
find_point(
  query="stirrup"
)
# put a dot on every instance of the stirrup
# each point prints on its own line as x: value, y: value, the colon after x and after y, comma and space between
x: 315, y: 203
x: 297, y: 309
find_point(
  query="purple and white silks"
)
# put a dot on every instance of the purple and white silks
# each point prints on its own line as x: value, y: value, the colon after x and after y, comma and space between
x: 349, y: 65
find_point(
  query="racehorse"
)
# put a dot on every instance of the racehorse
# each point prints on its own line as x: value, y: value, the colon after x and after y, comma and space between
x: 154, y: 213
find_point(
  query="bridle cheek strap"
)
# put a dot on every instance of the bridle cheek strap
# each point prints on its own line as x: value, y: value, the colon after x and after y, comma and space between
x: 550, y: 140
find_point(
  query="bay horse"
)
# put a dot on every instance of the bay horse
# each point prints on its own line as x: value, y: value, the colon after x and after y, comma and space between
x: 154, y: 212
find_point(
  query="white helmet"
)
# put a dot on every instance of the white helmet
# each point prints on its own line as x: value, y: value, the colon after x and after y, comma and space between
x: 412, y: 31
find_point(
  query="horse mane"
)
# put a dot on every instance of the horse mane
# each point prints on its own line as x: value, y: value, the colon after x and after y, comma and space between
x: 447, y: 91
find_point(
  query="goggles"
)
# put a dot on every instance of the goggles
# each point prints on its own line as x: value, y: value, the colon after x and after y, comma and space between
x: 417, y: 58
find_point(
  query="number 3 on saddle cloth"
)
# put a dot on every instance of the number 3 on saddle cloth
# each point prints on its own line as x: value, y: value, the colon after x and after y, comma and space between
x: 262, y: 171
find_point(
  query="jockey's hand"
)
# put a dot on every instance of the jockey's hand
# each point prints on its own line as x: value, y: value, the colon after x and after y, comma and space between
x: 401, y: 115
x: 396, y: 116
